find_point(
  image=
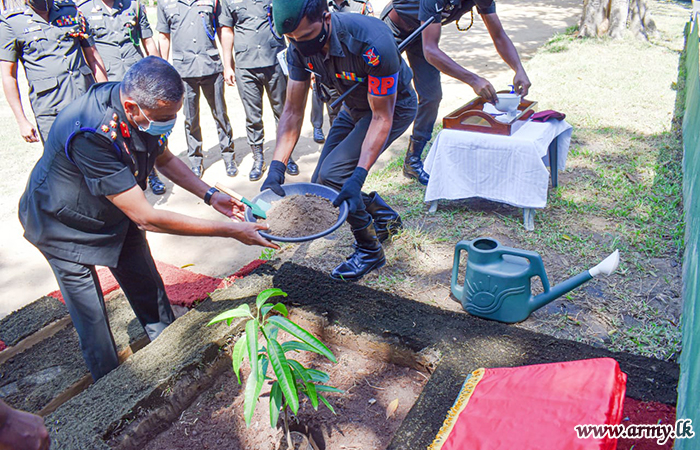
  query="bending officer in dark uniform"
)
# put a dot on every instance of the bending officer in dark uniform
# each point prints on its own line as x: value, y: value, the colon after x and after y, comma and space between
x: 245, y: 29
x: 327, y: 97
x: 84, y: 203
x: 122, y: 35
x: 427, y: 60
x: 192, y: 26
x: 54, y: 43
x: 342, y: 50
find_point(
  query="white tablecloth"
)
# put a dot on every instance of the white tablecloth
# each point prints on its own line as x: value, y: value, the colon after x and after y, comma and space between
x: 507, y: 169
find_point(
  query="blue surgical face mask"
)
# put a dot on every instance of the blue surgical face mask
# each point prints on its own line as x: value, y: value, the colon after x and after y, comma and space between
x: 155, y: 127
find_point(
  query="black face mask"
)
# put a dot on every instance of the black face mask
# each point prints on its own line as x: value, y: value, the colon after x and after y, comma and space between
x: 41, y: 5
x: 315, y: 45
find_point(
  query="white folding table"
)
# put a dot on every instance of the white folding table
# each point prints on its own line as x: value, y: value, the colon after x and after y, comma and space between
x: 506, y: 169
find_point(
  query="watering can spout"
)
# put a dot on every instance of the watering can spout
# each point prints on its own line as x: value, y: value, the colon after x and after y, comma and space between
x: 605, y: 267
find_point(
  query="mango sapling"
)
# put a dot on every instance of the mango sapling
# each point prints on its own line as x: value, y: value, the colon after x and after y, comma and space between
x: 289, y: 377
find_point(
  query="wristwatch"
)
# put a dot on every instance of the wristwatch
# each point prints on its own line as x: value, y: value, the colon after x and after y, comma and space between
x: 209, y: 194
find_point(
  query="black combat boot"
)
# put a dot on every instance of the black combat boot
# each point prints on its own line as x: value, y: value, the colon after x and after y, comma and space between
x: 413, y: 166
x: 292, y: 167
x: 157, y: 186
x: 258, y: 163
x: 368, y: 256
x: 230, y: 162
x: 387, y: 222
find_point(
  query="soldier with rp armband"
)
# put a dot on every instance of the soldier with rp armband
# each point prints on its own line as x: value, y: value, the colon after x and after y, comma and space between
x: 341, y: 51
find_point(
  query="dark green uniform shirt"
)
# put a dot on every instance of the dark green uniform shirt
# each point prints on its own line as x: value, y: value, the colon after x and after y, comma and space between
x: 362, y: 50
x: 92, y: 152
x: 413, y: 12
x: 254, y: 44
x: 50, y: 54
x: 192, y: 25
x: 117, y: 32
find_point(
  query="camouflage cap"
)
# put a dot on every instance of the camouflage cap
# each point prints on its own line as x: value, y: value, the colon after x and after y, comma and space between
x: 287, y: 14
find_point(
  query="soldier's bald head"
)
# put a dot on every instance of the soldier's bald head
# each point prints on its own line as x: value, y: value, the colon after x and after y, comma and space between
x: 152, y: 82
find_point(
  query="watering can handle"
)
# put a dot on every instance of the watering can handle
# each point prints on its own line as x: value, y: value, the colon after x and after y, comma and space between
x: 457, y: 290
x: 536, y: 264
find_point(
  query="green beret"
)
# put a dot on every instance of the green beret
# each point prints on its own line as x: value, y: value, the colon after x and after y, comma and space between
x: 287, y: 14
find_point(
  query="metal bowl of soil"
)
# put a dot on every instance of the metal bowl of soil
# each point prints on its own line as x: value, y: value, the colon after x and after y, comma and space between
x: 303, y: 214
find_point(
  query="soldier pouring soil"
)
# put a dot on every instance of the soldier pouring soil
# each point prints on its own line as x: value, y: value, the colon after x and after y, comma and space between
x: 342, y: 50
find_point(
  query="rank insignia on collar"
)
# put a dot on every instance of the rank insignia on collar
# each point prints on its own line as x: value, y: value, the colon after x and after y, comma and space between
x: 124, y: 129
x: 371, y: 57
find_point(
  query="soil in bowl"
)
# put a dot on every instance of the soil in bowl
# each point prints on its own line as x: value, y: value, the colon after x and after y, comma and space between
x: 297, y: 216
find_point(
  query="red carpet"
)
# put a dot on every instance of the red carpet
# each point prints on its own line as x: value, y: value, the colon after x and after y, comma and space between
x: 183, y: 287
x: 643, y: 413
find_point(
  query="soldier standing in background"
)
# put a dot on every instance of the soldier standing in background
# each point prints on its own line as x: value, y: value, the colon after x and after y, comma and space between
x: 122, y: 35
x: 53, y: 42
x: 319, y: 98
x: 194, y: 26
x: 428, y: 60
x: 246, y: 30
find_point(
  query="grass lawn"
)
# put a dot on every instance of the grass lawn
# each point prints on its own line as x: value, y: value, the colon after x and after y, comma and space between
x: 622, y: 189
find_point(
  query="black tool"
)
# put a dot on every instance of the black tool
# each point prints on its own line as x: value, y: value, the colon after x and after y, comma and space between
x: 402, y: 46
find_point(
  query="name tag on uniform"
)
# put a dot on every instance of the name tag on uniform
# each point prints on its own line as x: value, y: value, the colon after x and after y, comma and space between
x: 32, y: 29
x: 100, y: 17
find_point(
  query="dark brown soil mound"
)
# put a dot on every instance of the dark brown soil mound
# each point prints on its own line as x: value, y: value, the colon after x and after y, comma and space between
x: 300, y: 215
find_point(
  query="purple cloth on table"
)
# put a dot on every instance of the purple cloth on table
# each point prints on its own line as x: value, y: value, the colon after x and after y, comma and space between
x: 544, y: 116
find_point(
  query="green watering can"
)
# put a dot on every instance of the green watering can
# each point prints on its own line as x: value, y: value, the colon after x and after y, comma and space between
x: 497, y: 280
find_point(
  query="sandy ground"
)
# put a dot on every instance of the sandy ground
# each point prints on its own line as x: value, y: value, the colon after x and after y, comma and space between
x: 25, y: 275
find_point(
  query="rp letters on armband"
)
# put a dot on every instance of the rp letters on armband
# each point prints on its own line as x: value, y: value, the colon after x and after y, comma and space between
x: 383, y: 86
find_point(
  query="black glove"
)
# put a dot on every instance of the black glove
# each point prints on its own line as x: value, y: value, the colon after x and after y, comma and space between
x: 275, y: 178
x: 352, y: 190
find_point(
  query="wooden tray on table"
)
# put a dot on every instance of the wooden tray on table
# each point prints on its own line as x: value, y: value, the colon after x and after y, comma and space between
x: 472, y: 117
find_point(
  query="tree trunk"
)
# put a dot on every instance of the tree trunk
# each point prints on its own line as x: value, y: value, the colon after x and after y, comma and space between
x: 611, y: 18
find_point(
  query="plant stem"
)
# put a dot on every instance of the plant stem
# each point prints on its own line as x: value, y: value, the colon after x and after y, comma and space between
x: 290, y: 445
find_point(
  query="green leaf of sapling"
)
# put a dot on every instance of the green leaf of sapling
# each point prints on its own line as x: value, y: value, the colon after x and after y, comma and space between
x: 317, y: 376
x: 241, y: 311
x: 311, y: 393
x: 325, y: 402
x: 275, y: 403
x: 251, y: 331
x: 267, y: 293
x: 298, y: 332
x: 238, y: 354
x: 296, y: 346
x: 284, y: 375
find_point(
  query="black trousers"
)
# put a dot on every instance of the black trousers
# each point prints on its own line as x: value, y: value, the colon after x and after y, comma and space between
x: 252, y: 83
x: 212, y: 86
x: 426, y: 80
x: 137, y: 275
x: 343, y: 146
